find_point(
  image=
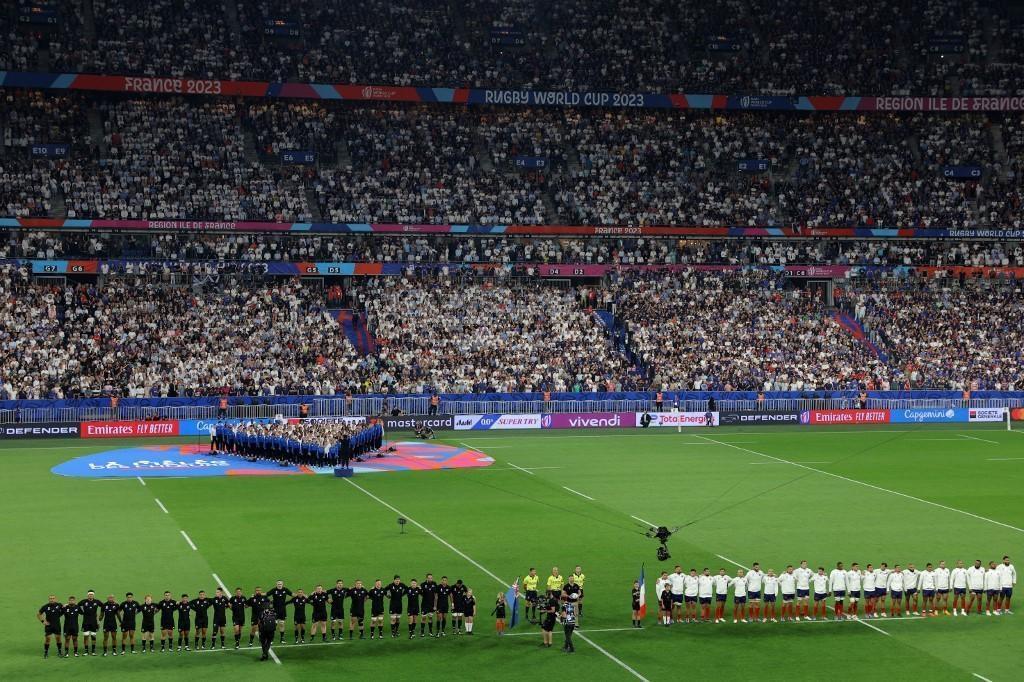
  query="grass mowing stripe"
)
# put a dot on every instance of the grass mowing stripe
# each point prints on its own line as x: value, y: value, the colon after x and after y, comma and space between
x: 484, y: 570
x: 869, y: 485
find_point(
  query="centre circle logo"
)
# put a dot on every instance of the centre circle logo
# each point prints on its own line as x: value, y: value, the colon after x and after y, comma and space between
x: 178, y: 461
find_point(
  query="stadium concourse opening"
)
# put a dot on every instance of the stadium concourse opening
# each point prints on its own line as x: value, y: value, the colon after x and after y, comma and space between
x: 180, y: 461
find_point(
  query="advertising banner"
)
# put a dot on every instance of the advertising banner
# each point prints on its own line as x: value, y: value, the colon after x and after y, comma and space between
x: 201, y: 427
x: 344, y: 420
x: 826, y: 417
x: 589, y: 420
x: 986, y: 414
x: 39, y: 430
x: 129, y: 429
x: 1017, y: 414
x: 929, y: 415
x: 484, y: 422
x: 679, y: 418
x: 408, y: 422
x: 731, y: 418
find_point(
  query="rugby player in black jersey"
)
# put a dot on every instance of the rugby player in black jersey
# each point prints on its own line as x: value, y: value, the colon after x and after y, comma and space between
x: 357, y: 610
x: 428, y: 605
x: 220, y: 617
x: 201, y: 607
x: 238, y: 603
x: 90, y: 621
x: 129, y: 613
x: 396, y: 591
x: 279, y: 595
x: 72, y: 611
x: 49, y: 615
x: 256, y: 602
x: 318, y: 600
x: 148, y: 610
x: 337, y: 595
x: 299, y: 602
x: 413, y: 594
x: 167, y: 607
x: 376, y: 595
x: 110, y: 610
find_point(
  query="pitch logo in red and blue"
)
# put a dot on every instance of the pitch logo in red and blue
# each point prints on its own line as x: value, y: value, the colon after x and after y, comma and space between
x: 178, y: 461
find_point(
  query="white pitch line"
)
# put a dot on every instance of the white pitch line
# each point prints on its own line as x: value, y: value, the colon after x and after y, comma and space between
x: 869, y: 485
x: 983, y: 440
x: 486, y: 571
x: 503, y: 468
x: 577, y: 492
x: 140, y: 480
x: 788, y: 462
x: 734, y: 563
x: 514, y: 467
x: 189, y: 541
x: 981, y: 678
x: 220, y: 583
x: 873, y: 627
x: 1004, y: 459
x: 652, y: 525
x: 161, y: 505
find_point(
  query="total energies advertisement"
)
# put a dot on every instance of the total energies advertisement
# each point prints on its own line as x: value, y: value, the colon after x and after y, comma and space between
x: 686, y: 419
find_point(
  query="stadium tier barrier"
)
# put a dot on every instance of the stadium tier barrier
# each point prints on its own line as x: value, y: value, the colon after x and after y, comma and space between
x: 200, y: 428
x: 265, y: 407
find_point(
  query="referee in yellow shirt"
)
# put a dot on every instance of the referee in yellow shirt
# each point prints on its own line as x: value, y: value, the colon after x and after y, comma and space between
x: 555, y: 582
x: 530, y: 587
x: 580, y: 579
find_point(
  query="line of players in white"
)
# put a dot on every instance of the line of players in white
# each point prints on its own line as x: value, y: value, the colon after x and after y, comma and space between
x: 804, y: 592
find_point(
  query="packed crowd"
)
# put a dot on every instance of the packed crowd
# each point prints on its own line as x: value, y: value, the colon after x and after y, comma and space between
x: 179, y: 158
x: 219, y: 251
x: 939, y: 47
x: 142, y: 335
x: 943, y: 335
x: 150, y: 340
x: 711, y: 331
x: 473, y: 337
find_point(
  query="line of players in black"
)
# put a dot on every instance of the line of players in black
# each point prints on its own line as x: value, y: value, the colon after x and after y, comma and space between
x: 427, y: 604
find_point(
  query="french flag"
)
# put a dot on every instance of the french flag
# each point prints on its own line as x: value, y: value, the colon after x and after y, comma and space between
x: 643, y: 593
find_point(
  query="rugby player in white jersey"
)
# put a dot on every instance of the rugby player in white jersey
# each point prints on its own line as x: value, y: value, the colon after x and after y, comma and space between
x: 1007, y: 579
x: 787, y: 584
x: 722, y: 583
x: 739, y: 597
x: 820, y: 582
x: 868, y: 584
x: 705, y: 592
x: 928, y: 589
x: 958, y: 579
x: 803, y: 589
x: 755, y: 577
x: 771, y: 594
x: 691, y: 586
x: 993, y: 588
x: 881, y: 588
x: 837, y: 586
x: 895, y: 586
x: 911, y: 578
x: 942, y: 588
x: 854, y: 578
x: 976, y: 585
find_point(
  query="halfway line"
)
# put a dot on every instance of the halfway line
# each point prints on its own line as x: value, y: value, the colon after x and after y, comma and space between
x: 189, y: 541
x: 483, y: 569
x: 868, y: 485
x: 578, y: 493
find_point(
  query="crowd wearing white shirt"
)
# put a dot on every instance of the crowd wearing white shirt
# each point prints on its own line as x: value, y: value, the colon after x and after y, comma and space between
x: 856, y: 592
